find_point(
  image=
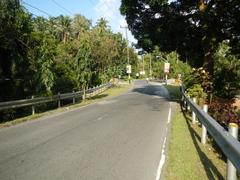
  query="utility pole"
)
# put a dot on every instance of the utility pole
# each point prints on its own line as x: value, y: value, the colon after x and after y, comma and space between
x: 150, y: 66
x: 177, y: 57
x: 143, y: 63
x: 128, y: 60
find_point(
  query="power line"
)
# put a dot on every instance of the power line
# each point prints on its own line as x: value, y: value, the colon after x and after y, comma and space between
x: 59, y: 5
x: 109, y: 7
x: 36, y: 8
x: 100, y: 6
x: 40, y: 11
x: 104, y: 3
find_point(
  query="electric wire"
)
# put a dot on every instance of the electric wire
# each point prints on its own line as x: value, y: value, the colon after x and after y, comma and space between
x: 46, y: 13
x: 59, y: 5
x: 37, y: 8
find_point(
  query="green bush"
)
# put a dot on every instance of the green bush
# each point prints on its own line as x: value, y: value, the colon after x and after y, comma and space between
x: 226, y: 79
x: 198, y: 84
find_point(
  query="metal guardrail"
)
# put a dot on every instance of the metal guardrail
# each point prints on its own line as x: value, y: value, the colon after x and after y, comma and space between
x: 228, y: 144
x: 39, y: 100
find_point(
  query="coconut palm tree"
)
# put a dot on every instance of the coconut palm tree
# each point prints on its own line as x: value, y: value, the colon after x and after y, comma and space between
x: 63, y: 27
x: 80, y: 24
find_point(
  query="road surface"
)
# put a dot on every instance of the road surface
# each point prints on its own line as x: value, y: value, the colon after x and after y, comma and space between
x: 116, y: 138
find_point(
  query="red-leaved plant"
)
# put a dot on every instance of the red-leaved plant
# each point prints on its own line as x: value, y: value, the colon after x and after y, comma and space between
x: 224, y: 112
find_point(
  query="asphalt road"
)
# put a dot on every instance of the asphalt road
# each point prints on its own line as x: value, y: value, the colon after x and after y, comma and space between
x: 116, y: 138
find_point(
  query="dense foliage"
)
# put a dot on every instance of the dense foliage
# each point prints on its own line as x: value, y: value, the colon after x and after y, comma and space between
x: 205, y: 33
x: 192, y: 28
x: 224, y: 112
x: 157, y: 60
x: 40, y: 56
x: 226, y: 79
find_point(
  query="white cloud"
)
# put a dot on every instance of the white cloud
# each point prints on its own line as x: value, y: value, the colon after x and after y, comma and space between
x: 107, y: 9
x: 123, y: 22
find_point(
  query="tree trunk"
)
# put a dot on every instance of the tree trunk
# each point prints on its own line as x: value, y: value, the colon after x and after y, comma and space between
x: 209, y: 63
x: 209, y: 48
x: 64, y: 37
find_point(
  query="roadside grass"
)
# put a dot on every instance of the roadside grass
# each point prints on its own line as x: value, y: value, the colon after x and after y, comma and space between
x: 114, y: 91
x: 187, y: 158
x: 174, y: 92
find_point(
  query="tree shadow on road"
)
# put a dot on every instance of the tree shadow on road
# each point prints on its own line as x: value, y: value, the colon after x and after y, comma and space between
x: 152, y: 90
x: 208, y: 165
x: 98, y: 96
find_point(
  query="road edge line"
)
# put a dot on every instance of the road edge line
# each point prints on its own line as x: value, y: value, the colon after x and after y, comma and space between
x: 163, y: 156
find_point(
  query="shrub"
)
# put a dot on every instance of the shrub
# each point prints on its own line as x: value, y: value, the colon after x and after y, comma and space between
x: 224, y: 112
x: 226, y: 79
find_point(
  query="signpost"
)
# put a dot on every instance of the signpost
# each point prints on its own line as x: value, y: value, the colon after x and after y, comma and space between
x: 166, y: 70
x: 129, y: 69
x: 142, y: 73
x: 166, y: 67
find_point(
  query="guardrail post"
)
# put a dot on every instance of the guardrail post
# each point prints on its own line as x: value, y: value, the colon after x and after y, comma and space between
x: 97, y: 89
x: 193, y: 113
x: 204, y: 130
x: 188, y: 107
x: 33, y: 107
x: 73, y: 97
x: 93, y: 93
x: 184, y: 101
x: 59, y: 100
x: 84, y: 94
x: 231, y: 170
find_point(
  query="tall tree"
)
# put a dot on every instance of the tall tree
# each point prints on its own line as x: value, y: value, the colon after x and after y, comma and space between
x: 15, y: 30
x: 80, y: 24
x: 64, y: 27
x: 192, y: 28
x: 83, y: 62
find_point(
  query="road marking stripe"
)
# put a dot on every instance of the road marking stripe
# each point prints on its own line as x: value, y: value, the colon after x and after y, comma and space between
x: 163, y: 156
x: 162, y: 161
x: 169, y: 113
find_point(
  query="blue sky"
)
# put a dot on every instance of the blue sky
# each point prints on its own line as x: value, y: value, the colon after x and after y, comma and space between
x: 91, y: 9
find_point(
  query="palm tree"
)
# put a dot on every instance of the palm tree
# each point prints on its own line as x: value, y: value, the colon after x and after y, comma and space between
x: 64, y: 27
x: 80, y: 24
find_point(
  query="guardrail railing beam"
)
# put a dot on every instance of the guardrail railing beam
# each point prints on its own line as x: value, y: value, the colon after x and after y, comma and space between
x: 227, y: 143
x: 33, y: 101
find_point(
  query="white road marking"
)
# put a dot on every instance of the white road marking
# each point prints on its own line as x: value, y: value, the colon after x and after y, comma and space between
x: 162, y: 161
x: 106, y: 102
x: 100, y: 118
x: 169, y: 113
x: 163, y: 156
x: 130, y: 93
x: 159, y: 97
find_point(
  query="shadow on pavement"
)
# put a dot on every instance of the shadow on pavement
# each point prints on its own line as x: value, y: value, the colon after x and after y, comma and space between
x: 208, y: 165
x: 152, y: 90
x: 98, y: 96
